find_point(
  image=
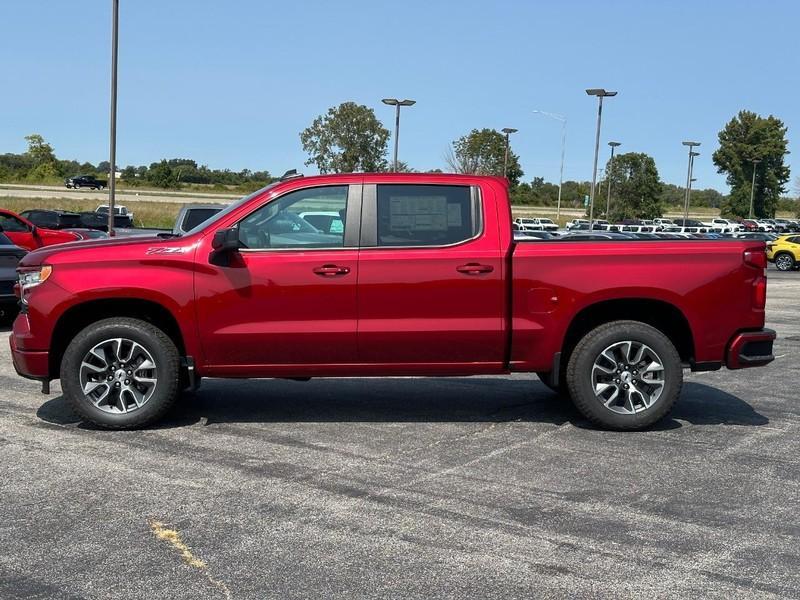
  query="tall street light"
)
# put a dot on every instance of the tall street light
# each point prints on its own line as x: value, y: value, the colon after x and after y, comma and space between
x: 687, y: 192
x: 397, y: 104
x: 755, y: 162
x: 613, y: 145
x: 112, y: 155
x: 600, y: 93
x: 563, y: 120
x: 508, y: 131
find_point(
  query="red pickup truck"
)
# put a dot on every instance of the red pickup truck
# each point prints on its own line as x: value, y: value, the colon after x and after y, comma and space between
x: 424, y: 277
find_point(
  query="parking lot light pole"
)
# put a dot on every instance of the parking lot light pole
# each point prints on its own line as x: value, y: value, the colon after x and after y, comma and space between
x: 691, y: 181
x: 112, y: 154
x: 600, y: 93
x: 397, y: 104
x: 692, y: 154
x: 508, y: 131
x: 755, y: 162
x: 563, y: 120
x: 610, y: 169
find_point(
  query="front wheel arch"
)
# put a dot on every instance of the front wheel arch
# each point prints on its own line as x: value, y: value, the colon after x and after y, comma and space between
x: 78, y: 317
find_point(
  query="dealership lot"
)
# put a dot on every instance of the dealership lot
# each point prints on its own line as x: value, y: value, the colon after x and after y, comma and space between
x: 468, y: 487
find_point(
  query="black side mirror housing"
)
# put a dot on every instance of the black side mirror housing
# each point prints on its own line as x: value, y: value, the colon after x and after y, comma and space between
x: 226, y: 240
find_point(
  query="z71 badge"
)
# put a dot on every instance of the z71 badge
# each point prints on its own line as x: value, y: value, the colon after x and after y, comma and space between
x: 165, y: 250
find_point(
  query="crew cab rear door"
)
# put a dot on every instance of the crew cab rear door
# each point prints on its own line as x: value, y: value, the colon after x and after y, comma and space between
x: 430, y: 288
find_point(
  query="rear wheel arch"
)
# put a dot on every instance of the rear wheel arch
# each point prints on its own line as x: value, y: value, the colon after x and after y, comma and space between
x: 78, y: 317
x: 664, y: 316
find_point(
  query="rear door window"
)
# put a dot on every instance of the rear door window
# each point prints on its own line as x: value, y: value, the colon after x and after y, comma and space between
x: 426, y: 215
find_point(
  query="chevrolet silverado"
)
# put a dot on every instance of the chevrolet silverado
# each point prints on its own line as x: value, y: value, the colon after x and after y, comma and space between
x: 424, y: 278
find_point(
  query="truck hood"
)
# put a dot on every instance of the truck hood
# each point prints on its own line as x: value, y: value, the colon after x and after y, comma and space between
x: 104, y: 247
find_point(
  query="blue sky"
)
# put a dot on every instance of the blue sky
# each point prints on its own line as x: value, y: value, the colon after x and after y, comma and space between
x: 231, y: 84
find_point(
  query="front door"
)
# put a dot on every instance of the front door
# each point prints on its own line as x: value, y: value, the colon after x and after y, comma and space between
x: 431, y: 288
x: 288, y: 296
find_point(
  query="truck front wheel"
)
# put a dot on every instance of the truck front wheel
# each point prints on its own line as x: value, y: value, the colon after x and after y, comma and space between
x: 121, y: 373
x: 624, y: 375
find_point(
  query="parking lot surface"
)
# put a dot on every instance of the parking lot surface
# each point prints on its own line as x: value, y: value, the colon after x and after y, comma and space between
x: 485, y: 487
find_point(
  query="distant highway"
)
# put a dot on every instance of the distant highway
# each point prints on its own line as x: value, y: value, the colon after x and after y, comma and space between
x: 8, y: 190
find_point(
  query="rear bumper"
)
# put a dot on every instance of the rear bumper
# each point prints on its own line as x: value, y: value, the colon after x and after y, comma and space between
x: 30, y: 364
x: 750, y: 349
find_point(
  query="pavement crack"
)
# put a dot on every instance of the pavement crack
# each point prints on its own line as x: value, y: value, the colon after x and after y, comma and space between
x: 173, y: 538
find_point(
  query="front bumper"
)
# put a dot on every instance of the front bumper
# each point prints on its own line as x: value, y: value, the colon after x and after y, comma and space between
x: 30, y: 364
x: 750, y: 349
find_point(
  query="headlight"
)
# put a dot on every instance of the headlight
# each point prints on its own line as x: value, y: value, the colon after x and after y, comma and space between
x: 31, y: 277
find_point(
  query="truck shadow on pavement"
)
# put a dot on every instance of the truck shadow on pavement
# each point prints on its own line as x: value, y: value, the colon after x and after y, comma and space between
x: 398, y: 400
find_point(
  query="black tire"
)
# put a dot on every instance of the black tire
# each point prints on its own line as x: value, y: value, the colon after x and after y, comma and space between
x: 77, y: 186
x: 167, y: 369
x: 581, y: 366
x: 784, y: 261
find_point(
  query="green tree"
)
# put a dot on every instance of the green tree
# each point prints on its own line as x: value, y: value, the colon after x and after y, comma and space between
x: 482, y: 152
x: 128, y: 174
x: 635, y: 188
x: 348, y: 138
x: 40, y: 151
x: 746, y: 137
x: 161, y: 174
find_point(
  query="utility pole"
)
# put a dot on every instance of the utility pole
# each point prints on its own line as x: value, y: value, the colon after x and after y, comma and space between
x: 563, y: 120
x: 608, y: 176
x: 687, y: 193
x: 112, y: 155
x: 397, y: 104
x: 600, y: 93
x: 755, y: 162
x: 508, y: 131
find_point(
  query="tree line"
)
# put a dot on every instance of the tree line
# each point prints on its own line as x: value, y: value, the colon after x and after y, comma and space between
x: 40, y: 165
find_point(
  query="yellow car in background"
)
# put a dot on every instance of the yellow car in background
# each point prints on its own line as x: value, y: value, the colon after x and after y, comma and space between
x: 785, y: 252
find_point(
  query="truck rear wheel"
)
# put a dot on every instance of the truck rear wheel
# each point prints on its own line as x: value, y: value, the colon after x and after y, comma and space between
x: 121, y: 373
x: 625, y: 375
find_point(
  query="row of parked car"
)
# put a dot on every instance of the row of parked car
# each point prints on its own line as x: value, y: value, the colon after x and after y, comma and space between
x: 783, y: 249
x: 716, y: 225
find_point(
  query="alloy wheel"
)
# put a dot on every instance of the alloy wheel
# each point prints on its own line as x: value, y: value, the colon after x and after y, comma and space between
x: 118, y: 375
x: 628, y: 377
x: 784, y: 262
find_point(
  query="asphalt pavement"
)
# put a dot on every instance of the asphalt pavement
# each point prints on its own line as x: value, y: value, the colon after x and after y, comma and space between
x: 485, y: 487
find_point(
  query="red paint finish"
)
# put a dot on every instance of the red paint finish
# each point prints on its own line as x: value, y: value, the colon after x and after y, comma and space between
x: 485, y: 305
x: 26, y: 235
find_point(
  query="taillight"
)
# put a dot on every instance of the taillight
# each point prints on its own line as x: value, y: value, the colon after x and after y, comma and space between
x: 755, y: 258
x: 760, y: 293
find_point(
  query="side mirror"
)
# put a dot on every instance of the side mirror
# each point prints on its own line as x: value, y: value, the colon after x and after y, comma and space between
x: 226, y: 240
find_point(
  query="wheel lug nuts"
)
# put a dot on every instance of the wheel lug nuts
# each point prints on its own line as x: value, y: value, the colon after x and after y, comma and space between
x: 116, y: 384
x: 110, y: 378
x: 626, y: 386
x: 127, y: 382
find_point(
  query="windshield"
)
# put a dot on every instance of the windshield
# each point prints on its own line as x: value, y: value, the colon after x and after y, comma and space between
x: 230, y: 208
